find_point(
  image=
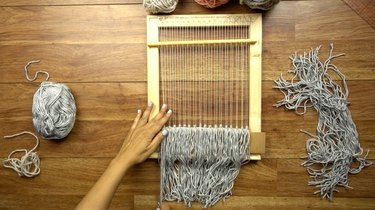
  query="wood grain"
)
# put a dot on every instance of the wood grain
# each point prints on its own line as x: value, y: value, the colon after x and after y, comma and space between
x: 98, y: 48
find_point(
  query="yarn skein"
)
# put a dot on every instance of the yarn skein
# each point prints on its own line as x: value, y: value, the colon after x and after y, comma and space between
x: 28, y: 164
x: 211, y: 3
x: 53, y: 108
x: 160, y: 6
x: 259, y: 4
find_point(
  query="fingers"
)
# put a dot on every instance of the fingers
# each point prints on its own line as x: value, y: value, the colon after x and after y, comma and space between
x: 166, y: 117
x: 156, y: 125
x: 153, y: 126
x: 146, y: 114
x: 161, y: 113
x: 157, y: 140
x: 162, y: 117
x: 136, y: 120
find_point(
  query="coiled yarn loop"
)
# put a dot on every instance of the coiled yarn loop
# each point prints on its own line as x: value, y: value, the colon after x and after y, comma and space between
x: 28, y: 164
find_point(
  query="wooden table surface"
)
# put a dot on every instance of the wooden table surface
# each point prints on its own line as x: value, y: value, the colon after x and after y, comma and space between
x: 98, y: 49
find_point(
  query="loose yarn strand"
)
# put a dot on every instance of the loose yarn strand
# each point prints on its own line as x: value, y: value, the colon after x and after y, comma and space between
x: 28, y: 164
x: 336, y: 144
x: 36, y: 74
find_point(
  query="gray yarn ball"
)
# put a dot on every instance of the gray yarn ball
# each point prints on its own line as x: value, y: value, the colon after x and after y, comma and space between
x: 160, y: 6
x: 260, y: 4
x: 54, y: 110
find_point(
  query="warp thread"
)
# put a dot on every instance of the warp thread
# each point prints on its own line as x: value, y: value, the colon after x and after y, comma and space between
x: 201, y: 163
x: 28, y: 164
x: 211, y: 3
x: 53, y: 109
x: 260, y: 4
x: 160, y: 6
x: 336, y: 146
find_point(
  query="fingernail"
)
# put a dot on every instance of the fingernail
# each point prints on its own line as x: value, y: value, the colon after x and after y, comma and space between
x: 169, y: 111
x: 164, y: 132
x: 139, y: 111
x: 149, y: 104
x: 164, y: 106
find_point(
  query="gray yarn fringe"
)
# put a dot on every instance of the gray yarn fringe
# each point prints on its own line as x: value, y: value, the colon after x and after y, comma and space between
x: 332, y: 151
x: 201, y: 163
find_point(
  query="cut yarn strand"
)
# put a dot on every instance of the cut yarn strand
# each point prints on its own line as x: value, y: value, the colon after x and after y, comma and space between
x: 336, y: 145
x: 28, y: 164
x: 37, y: 72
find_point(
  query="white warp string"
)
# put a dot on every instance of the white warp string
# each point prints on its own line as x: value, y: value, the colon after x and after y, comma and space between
x: 332, y: 151
x: 201, y: 163
x: 28, y: 164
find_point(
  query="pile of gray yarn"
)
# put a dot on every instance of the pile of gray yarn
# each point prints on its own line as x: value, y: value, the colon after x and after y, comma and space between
x: 201, y: 163
x: 331, y: 152
x: 54, y: 108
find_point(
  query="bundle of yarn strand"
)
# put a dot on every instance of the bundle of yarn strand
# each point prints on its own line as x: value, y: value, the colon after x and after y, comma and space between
x: 335, y: 146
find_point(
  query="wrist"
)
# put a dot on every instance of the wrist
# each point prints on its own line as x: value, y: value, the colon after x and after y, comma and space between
x: 121, y: 163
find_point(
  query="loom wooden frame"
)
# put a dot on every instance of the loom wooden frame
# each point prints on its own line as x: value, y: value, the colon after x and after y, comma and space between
x: 254, y: 21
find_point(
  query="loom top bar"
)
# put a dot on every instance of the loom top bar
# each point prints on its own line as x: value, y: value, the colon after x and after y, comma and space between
x: 202, y: 42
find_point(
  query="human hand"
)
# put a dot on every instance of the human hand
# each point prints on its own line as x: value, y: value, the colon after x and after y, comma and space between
x: 144, y: 136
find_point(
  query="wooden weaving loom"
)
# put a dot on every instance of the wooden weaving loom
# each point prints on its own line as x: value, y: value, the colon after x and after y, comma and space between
x: 207, y: 68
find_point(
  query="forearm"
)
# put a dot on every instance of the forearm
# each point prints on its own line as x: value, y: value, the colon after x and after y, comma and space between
x: 100, y: 195
x: 142, y: 140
